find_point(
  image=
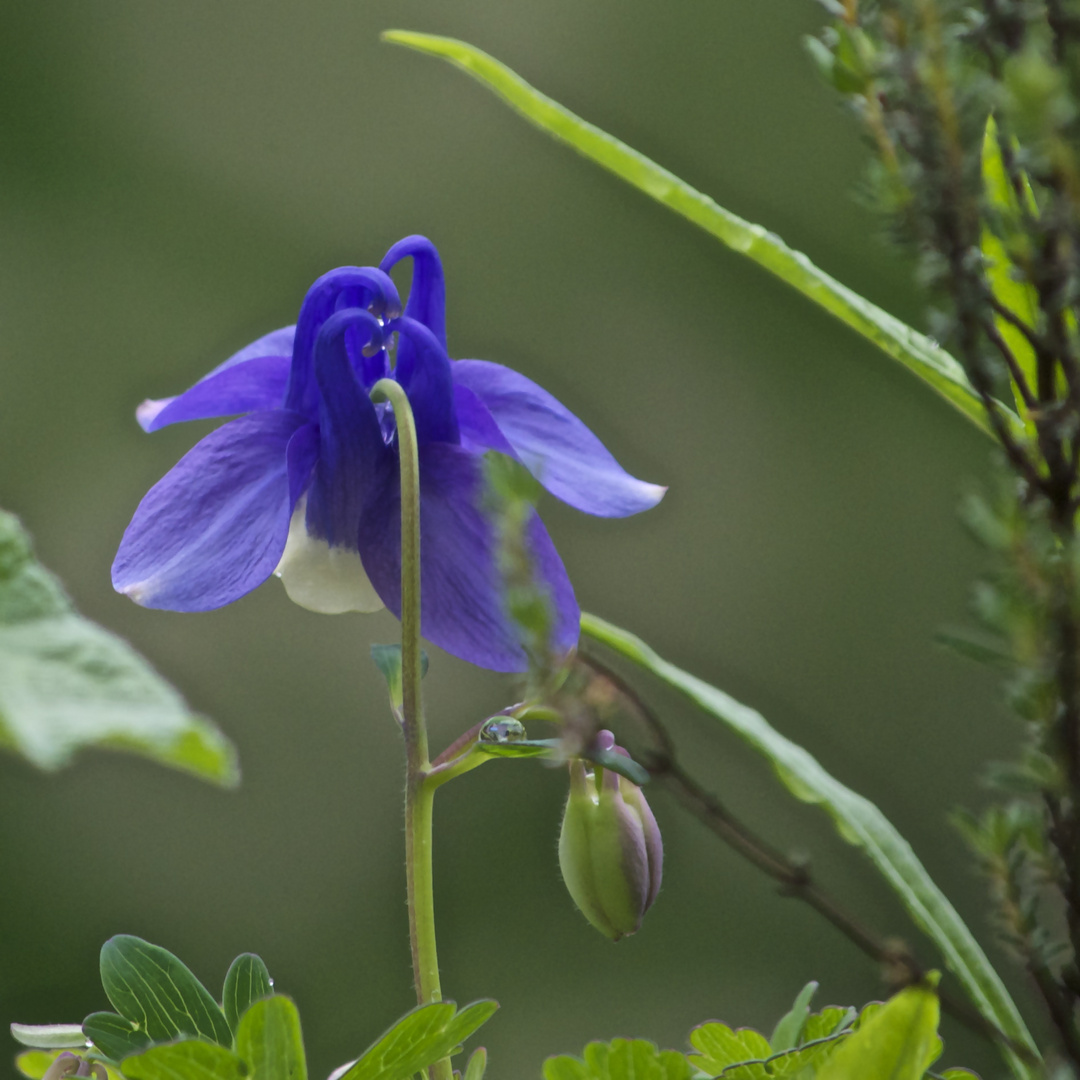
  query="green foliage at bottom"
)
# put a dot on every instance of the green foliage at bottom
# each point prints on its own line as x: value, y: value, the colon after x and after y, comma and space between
x: 169, y: 1027
x: 897, y: 1040
x: 419, y: 1039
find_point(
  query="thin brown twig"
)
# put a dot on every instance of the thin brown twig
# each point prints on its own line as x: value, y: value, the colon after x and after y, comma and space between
x: 1019, y: 460
x: 1018, y: 378
x: 1035, y: 340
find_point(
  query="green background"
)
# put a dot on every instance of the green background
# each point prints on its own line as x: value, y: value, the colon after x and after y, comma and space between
x: 172, y: 178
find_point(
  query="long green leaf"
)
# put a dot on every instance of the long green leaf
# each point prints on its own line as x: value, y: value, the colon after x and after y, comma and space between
x: 246, y: 982
x: 857, y: 820
x: 915, y: 351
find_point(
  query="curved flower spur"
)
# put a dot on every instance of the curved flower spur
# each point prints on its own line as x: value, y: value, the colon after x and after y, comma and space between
x: 305, y: 483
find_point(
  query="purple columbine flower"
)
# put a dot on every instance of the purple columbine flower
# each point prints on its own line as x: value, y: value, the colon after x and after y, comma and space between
x: 305, y: 482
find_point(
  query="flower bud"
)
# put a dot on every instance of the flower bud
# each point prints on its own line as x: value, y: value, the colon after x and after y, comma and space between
x: 610, y: 850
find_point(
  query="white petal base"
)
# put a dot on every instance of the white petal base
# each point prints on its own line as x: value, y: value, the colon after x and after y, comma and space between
x: 321, y: 578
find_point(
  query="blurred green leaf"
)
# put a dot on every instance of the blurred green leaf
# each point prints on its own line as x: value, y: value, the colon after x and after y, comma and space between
x: 49, y: 1036
x: 269, y: 1041
x: 67, y: 683
x: 915, y: 351
x: 830, y: 1021
x: 477, y: 1064
x: 898, y: 1042
x: 152, y: 988
x: 718, y: 1046
x: 797, y: 1064
x: 114, y: 1036
x: 388, y: 660
x: 192, y: 1059
x: 246, y: 982
x: 35, y: 1063
x: 1002, y: 273
x: 789, y: 1029
x: 858, y: 821
x: 971, y: 646
x: 621, y: 1059
x: 420, y: 1038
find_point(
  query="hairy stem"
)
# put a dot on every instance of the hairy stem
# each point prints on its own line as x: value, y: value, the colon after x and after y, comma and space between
x: 419, y: 792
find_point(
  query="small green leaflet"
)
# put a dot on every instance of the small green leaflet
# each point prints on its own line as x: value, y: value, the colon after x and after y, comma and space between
x: 801, y: 1043
x: 718, y: 1046
x: 149, y: 986
x: 66, y: 683
x: 830, y: 1021
x: 388, y: 660
x: 621, y: 1059
x: 918, y: 353
x: 477, y: 1065
x: 50, y: 1036
x: 789, y: 1029
x: 798, y: 1064
x: 858, y: 821
x: 192, y: 1059
x: 898, y: 1042
x: 114, y: 1036
x: 246, y: 982
x: 420, y: 1038
x: 269, y: 1041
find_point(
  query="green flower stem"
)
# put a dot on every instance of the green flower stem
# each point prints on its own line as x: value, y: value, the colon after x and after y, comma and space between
x: 419, y: 792
x: 411, y: 674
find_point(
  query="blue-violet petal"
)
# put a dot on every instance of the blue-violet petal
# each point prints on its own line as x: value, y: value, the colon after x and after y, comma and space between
x: 461, y: 591
x: 215, y: 526
x: 424, y: 372
x: 351, y: 446
x: 249, y: 386
x: 427, y: 294
x: 554, y: 445
x: 347, y: 286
